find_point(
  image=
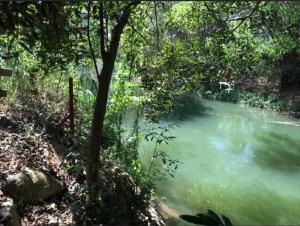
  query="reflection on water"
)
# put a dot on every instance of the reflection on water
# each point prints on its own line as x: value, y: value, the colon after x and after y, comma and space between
x: 278, y: 151
x: 247, y: 154
x: 237, y: 161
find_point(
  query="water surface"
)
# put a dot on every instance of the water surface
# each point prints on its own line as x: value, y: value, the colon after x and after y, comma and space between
x: 238, y: 161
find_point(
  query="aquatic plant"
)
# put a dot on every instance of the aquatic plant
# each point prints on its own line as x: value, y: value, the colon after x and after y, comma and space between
x: 208, y: 218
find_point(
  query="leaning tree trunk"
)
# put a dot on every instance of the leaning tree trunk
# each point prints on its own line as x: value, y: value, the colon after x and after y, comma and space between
x: 93, y: 154
x: 108, y: 58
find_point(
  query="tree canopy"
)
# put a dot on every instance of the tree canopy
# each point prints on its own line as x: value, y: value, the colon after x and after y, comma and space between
x: 150, y: 55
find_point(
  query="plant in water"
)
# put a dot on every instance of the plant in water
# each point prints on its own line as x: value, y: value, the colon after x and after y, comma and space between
x: 208, y: 218
x: 167, y: 166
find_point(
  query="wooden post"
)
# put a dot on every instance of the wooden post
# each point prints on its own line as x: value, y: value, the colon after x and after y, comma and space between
x: 4, y: 72
x: 3, y: 93
x: 71, y: 107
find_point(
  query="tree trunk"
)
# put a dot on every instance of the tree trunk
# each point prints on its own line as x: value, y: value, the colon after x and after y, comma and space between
x: 93, y: 154
x: 108, y: 58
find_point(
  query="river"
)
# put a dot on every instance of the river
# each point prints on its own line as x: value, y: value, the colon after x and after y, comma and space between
x: 238, y: 161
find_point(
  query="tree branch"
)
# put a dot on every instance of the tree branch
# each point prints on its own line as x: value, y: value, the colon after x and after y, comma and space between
x: 90, y: 43
x: 136, y: 31
x: 157, y: 29
x: 246, y: 17
x: 212, y: 13
x: 117, y: 30
x: 102, y: 32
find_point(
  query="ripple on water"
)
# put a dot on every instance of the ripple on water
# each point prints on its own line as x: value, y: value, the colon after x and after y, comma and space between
x: 238, y: 162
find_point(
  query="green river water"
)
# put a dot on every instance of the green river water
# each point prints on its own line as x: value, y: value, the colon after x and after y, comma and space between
x: 238, y: 161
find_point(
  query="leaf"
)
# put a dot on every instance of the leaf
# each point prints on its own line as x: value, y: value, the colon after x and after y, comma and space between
x: 191, y: 219
x: 214, y: 216
x: 226, y: 221
x: 209, y: 218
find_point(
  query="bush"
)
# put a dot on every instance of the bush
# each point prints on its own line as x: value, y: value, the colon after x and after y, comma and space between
x: 259, y: 100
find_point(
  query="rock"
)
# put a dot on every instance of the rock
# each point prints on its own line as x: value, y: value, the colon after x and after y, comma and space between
x: 8, y: 214
x: 31, y: 186
x: 53, y: 221
x: 155, y: 217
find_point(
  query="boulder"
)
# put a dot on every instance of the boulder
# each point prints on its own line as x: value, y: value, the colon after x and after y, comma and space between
x: 31, y: 186
x: 8, y: 213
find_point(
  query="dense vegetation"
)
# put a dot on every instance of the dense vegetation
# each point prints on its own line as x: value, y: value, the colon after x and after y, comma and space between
x: 142, y: 58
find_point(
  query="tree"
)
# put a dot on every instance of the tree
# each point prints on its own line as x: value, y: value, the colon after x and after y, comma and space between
x: 43, y: 26
x: 109, y: 49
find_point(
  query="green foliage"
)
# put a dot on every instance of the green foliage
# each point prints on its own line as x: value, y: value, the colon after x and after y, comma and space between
x: 259, y: 100
x: 211, y: 42
x: 169, y: 49
x: 161, y: 164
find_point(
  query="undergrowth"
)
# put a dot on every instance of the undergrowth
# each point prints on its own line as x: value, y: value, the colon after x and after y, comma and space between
x: 257, y: 99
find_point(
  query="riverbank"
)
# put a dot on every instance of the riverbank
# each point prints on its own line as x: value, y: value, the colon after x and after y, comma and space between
x: 26, y: 146
x: 259, y: 92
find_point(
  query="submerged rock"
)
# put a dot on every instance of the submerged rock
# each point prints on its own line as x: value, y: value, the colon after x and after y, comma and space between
x: 31, y: 186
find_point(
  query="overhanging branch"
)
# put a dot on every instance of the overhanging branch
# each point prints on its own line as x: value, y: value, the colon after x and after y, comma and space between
x: 246, y: 17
